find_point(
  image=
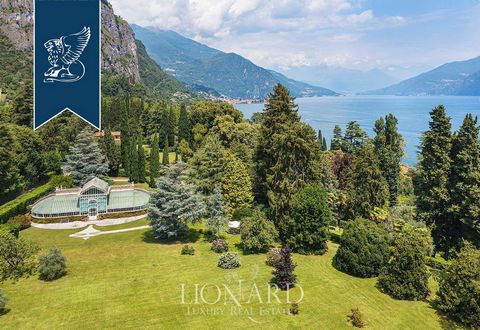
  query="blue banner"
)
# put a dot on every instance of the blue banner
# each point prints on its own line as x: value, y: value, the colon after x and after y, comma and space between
x: 67, y: 60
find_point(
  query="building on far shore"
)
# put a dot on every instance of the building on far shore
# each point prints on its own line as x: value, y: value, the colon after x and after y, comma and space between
x: 117, y: 135
x: 94, y: 198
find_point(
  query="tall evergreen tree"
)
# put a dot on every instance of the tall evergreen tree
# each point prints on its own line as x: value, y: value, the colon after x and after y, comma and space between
x: 175, y: 204
x: 9, y: 172
x: 86, y: 159
x: 432, y: 189
x: 388, y: 147
x: 23, y: 104
x: 365, y: 185
x: 154, y: 161
x: 320, y: 139
x: 172, y: 125
x: 464, y: 184
x: 134, y: 165
x: 165, y: 154
x: 354, y: 138
x: 141, y: 161
x: 163, y: 129
x: 111, y: 152
x: 336, y: 142
x: 285, y: 153
x: 184, y: 125
x: 324, y: 144
x: 236, y: 184
x: 217, y: 220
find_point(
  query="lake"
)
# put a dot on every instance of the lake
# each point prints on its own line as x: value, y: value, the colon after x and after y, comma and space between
x: 412, y: 113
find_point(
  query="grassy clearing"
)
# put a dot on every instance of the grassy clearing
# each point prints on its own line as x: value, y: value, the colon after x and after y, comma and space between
x: 128, y: 280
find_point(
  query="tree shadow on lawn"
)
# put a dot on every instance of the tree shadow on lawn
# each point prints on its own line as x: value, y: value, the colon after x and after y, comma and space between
x: 4, y: 311
x: 192, y: 237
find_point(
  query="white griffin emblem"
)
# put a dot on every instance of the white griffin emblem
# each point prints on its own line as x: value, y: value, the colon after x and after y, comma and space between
x: 64, y: 54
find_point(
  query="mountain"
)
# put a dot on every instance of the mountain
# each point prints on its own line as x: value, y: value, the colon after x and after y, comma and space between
x: 205, y: 68
x: 455, y: 78
x: 341, y: 79
x: 122, y: 56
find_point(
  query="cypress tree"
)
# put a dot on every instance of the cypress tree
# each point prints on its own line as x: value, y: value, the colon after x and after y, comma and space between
x: 388, y: 148
x: 141, y: 161
x: 165, y: 160
x: 154, y: 161
x: 324, y: 144
x: 365, y: 185
x: 464, y: 184
x: 320, y: 139
x: 172, y: 124
x: 163, y: 129
x: 432, y: 189
x: 134, y: 166
x: 111, y: 151
x: 184, y: 126
x: 337, y: 139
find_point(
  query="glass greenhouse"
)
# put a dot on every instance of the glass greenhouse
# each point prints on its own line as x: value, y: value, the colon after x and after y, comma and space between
x: 95, y: 197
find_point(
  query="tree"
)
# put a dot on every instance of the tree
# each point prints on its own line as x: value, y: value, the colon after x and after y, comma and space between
x: 17, y: 257
x: 111, y: 152
x: 337, y: 140
x: 464, y: 183
x: 285, y: 155
x: 23, y: 104
x: 388, y: 147
x: 365, y: 185
x: 184, y: 125
x: 164, y: 128
x: 134, y: 161
x: 406, y: 276
x: 257, y: 232
x: 3, y: 301
x: 217, y: 221
x: 236, y: 184
x: 321, y: 141
x: 172, y: 124
x: 284, y: 277
x: 459, y: 291
x: 431, y: 187
x: 9, y: 172
x: 355, y: 138
x: 154, y: 161
x: 309, y: 217
x: 364, y: 249
x: 52, y: 265
x: 207, y: 164
x: 141, y: 161
x: 175, y: 204
x: 184, y: 150
x: 165, y: 154
x: 85, y: 160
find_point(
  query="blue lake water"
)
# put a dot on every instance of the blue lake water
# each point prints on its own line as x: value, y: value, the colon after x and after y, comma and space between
x: 412, y: 113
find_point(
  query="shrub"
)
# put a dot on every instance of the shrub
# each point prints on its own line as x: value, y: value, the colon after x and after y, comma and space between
x: 240, y: 214
x: 229, y: 260
x: 23, y: 221
x: 53, y: 265
x: 356, y: 318
x: 306, y: 227
x: 294, y: 309
x: 10, y: 228
x: 219, y: 245
x: 62, y: 181
x: 406, y: 276
x: 273, y: 257
x: 3, y: 301
x: 364, y: 249
x: 257, y: 232
x: 459, y: 290
x: 19, y: 205
x: 284, y: 277
x: 188, y: 250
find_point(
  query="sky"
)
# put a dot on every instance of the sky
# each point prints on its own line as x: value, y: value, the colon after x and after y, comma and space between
x: 402, y: 36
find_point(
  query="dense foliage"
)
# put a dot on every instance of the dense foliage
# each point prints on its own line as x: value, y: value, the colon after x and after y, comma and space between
x: 17, y: 257
x: 52, y: 265
x: 283, y: 274
x: 307, y: 224
x: 459, y: 290
x: 406, y: 276
x: 258, y: 233
x: 228, y: 260
x: 219, y: 245
x: 217, y: 221
x: 364, y: 249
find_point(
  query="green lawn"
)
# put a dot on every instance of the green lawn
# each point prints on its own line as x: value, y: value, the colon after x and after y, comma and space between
x: 128, y: 280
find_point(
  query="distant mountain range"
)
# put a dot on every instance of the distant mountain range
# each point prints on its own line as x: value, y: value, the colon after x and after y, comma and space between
x: 342, y: 79
x: 455, y: 78
x: 212, y: 71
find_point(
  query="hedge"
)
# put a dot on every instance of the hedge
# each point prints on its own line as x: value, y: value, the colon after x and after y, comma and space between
x: 20, y: 204
x: 60, y: 220
x: 120, y: 214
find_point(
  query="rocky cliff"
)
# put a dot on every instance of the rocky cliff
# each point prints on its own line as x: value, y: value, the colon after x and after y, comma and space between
x: 119, y: 50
